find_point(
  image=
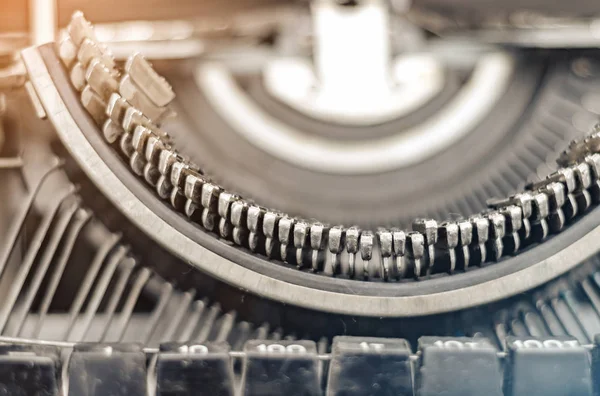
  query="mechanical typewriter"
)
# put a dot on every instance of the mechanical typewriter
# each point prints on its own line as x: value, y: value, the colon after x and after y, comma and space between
x: 260, y: 197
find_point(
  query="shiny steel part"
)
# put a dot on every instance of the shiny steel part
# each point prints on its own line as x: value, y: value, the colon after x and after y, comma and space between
x: 201, y: 196
x: 194, y: 194
x: 418, y: 253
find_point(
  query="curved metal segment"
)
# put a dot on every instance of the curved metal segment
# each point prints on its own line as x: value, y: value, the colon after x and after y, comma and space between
x: 514, y: 275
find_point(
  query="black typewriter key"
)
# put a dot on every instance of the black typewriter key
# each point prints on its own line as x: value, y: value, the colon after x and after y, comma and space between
x: 546, y: 367
x: 194, y: 369
x: 458, y: 367
x: 370, y: 367
x: 107, y: 370
x: 287, y: 368
x: 29, y: 371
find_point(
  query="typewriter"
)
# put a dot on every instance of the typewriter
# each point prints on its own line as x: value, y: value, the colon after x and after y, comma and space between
x: 276, y: 197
